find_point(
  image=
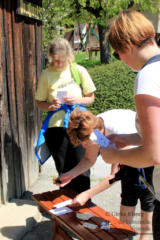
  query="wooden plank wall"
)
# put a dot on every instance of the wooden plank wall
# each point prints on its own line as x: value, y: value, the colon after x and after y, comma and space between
x: 20, y: 68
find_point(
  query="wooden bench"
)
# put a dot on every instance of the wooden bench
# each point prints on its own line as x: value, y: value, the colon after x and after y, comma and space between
x: 93, y: 49
x: 118, y: 229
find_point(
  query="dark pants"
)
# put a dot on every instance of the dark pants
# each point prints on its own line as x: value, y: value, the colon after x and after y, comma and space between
x: 156, y: 220
x: 66, y: 157
x: 130, y: 193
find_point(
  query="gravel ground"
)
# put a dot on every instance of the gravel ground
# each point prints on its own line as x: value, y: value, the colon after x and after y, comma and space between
x: 108, y: 200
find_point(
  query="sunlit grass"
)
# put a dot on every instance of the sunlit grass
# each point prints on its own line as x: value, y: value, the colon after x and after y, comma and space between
x: 82, y: 58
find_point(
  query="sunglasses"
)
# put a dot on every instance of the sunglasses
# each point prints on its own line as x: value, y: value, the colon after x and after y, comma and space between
x: 116, y: 55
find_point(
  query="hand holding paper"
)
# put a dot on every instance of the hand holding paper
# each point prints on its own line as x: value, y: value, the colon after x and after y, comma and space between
x: 60, y: 95
x: 70, y: 99
x: 55, y: 104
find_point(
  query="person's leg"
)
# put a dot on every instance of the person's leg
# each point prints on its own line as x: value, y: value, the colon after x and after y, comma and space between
x: 127, y: 214
x: 129, y: 198
x: 130, y: 195
x: 156, y: 220
x: 66, y: 157
x: 146, y: 201
x: 146, y: 225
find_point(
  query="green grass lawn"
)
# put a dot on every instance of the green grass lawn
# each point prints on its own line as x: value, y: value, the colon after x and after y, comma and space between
x: 83, y: 59
x: 85, y: 56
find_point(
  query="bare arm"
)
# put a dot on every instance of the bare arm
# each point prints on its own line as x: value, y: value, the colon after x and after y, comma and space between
x: 83, y: 197
x: 123, y: 140
x: 45, y: 106
x: 148, y: 154
x: 86, y: 163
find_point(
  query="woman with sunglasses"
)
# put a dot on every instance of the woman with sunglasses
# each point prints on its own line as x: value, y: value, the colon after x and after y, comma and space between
x: 132, y: 36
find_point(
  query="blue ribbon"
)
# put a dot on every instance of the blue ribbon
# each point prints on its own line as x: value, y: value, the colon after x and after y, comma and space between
x: 41, y: 150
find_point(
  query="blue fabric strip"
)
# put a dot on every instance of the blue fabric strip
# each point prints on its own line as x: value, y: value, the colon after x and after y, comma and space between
x: 41, y: 149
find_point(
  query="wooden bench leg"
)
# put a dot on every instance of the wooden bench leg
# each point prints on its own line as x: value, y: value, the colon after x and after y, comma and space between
x: 96, y: 55
x: 56, y: 224
x: 58, y: 232
x: 90, y: 54
x: 63, y: 234
x: 41, y: 209
x: 54, y: 229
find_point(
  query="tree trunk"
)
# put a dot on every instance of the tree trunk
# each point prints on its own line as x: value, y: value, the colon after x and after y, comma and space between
x: 104, y: 50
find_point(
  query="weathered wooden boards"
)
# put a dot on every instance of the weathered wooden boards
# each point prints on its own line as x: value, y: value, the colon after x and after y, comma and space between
x: 20, y: 68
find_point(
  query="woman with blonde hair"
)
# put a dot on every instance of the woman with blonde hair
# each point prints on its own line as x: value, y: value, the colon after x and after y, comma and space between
x: 81, y: 125
x: 131, y: 36
x: 59, y: 77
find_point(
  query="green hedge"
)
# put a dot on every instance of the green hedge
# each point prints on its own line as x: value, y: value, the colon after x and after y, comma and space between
x: 115, y: 85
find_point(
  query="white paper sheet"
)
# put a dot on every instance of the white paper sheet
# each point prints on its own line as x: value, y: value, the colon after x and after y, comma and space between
x: 61, y: 95
x: 63, y: 204
x: 60, y: 211
x: 99, y: 138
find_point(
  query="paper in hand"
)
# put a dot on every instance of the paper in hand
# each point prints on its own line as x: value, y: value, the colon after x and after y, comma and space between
x: 97, y: 137
x: 61, y: 95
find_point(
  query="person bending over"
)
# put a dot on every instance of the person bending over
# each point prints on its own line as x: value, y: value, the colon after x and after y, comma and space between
x: 119, y: 121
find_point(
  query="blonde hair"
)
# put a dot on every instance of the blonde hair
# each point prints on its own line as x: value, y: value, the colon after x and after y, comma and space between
x: 130, y: 28
x: 60, y: 45
x: 81, y: 125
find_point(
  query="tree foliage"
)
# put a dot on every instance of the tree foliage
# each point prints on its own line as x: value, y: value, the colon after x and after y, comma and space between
x: 59, y: 15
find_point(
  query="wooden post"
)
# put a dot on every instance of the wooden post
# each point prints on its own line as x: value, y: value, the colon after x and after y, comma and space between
x: 90, y: 54
x: 89, y: 35
x: 95, y: 54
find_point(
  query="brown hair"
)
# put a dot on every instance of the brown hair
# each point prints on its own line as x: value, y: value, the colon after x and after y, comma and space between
x: 130, y: 28
x: 58, y: 45
x: 81, y: 125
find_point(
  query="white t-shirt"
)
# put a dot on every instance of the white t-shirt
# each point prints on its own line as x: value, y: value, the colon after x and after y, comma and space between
x: 148, y: 82
x: 119, y: 121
